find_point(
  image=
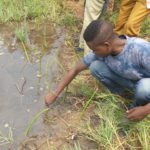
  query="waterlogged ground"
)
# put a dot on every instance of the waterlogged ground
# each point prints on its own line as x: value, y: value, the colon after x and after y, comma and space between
x: 23, y: 84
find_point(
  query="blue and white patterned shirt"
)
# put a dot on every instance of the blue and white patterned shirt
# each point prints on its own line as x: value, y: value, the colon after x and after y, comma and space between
x: 132, y: 63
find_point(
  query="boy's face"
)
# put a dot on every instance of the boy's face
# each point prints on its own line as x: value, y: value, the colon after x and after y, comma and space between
x: 103, y: 49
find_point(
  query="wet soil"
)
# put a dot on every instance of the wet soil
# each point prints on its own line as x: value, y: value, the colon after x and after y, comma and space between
x: 77, y: 7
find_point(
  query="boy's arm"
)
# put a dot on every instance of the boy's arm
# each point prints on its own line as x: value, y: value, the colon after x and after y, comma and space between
x: 51, y: 97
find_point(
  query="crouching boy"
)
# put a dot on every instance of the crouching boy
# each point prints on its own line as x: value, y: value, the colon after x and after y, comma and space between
x: 119, y: 62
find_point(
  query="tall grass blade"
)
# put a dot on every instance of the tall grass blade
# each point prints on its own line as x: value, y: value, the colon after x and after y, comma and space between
x: 37, y: 116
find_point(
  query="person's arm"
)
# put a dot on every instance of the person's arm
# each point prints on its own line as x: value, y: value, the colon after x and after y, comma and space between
x: 138, y: 113
x: 51, y: 97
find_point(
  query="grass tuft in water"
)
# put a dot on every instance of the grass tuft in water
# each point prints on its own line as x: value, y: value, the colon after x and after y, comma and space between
x: 37, y: 116
x: 21, y: 34
x: 6, y: 139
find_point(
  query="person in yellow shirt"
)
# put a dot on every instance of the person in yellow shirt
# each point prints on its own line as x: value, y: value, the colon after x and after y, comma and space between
x: 131, y: 16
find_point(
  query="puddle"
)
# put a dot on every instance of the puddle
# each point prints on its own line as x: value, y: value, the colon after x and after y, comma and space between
x: 23, y: 87
x: 23, y: 84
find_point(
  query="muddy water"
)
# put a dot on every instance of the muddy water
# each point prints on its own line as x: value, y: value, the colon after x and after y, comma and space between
x: 23, y: 84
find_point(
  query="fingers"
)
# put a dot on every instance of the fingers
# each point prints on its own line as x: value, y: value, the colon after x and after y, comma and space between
x: 131, y: 114
x: 49, y: 99
x: 47, y: 103
x: 130, y: 110
x: 134, y: 115
x: 133, y: 118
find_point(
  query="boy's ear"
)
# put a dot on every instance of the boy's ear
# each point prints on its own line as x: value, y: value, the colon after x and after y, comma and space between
x: 106, y: 43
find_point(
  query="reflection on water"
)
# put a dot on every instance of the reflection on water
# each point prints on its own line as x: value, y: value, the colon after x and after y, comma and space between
x: 23, y: 85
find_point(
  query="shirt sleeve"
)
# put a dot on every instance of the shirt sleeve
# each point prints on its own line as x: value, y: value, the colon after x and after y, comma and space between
x: 89, y: 58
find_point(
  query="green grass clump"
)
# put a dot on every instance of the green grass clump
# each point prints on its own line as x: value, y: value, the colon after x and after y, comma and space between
x: 54, y: 10
x: 113, y: 130
x: 6, y: 139
x: 69, y: 20
x: 145, y: 27
x: 15, y: 10
x: 21, y: 34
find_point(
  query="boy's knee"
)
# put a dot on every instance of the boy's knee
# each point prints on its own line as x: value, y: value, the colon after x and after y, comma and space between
x: 143, y: 89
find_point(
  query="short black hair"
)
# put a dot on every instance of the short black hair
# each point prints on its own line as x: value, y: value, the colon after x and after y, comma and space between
x: 98, y: 31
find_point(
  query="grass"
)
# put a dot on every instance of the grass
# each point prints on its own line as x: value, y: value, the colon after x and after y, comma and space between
x: 33, y: 121
x: 75, y: 147
x: 88, y: 102
x: 114, y: 131
x: 15, y: 10
x: 145, y: 27
x: 21, y: 34
x: 6, y: 139
x: 36, y: 11
x: 69, y: 20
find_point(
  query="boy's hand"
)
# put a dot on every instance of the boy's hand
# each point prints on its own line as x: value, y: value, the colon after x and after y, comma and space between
x: 137, y: 113
x: 50, y: 98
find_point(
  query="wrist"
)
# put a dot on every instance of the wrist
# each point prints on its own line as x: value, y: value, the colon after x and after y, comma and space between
x: 54, y: 94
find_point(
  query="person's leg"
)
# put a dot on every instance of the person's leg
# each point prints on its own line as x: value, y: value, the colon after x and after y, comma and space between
x: 92, y: 11
x: 136, y: 18
x: 112, y: 81
x: 142, y: 92
x: 126, y: 7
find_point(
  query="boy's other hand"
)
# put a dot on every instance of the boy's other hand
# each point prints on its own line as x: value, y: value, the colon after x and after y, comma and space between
x: 137, y: 113
x: 50, y: 98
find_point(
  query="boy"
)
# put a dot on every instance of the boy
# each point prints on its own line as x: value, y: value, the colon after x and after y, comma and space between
x: 118, y: 62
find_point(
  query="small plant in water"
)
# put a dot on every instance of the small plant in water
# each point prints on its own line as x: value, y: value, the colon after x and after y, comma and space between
x: 6, y: 139
x: 21, y: 34
x: 37, y: 116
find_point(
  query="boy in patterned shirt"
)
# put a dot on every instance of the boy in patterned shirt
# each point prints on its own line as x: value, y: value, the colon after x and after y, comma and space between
x: 119, y: 62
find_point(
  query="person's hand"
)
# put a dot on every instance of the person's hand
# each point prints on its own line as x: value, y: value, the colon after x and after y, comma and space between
x: 50, y: 98
x: 137, y: 113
